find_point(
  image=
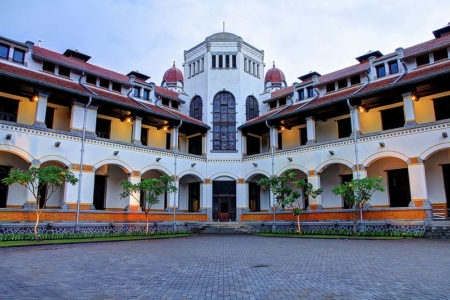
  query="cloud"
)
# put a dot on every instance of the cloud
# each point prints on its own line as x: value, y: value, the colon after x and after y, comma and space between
x: 300, y: 36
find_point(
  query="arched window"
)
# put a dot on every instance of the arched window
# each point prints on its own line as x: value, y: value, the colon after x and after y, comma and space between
x: 224, y: 122
x: 252, y: 110
x: 195, y: 110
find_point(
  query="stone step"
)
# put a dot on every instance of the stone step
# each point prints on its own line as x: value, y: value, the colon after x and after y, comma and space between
x: 224, y: 228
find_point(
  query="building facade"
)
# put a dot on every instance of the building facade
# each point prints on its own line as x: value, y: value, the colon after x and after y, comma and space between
x: 222, y: 126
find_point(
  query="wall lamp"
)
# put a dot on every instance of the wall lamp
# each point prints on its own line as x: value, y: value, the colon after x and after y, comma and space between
x: 331, y: 152
x: 255, y: 164
x: 193, y: 165
x: 289, y: 158
x: 57, y: 144
x: 444, y: 135
x: 8, y: 136
x: 116, y: 152
x: 158, y: 158
x: 35, y: 98
x: 382, y: 144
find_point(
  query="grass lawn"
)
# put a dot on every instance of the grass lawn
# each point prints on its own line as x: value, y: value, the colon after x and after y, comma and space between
x: 105, y: 239
x: 293, y: 235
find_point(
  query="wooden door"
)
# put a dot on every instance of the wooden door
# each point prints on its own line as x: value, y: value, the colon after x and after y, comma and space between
x: 398, y: 184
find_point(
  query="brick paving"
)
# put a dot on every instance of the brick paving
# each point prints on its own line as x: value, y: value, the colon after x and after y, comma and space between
x: 229, y: 267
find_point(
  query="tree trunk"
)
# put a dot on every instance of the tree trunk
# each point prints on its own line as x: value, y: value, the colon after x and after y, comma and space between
x: 146, y: 225
x: 299, y: 230
x: 36, y: 224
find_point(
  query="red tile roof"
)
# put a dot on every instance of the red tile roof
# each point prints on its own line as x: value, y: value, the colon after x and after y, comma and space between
x: 265, y: 116
x: 78, y: 64
x: 75, y: 87
x: 441, y: 42
x: 352, y: 70
x: 166, y: 92
x: 282, y: 92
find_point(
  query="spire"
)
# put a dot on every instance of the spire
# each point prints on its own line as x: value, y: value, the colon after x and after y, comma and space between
x: 274, y: 64
x: 174, y: 64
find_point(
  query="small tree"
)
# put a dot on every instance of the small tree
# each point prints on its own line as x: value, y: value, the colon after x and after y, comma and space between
x: 32, y: 179
x: 279, y: 187
x: 296, y: 198
x: 357, y: 192
x: 149, y: 191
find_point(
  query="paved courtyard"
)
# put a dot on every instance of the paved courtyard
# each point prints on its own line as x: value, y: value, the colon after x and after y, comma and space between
x: 229, y: 267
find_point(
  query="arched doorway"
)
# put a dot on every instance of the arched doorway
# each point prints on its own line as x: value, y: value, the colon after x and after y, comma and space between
x: 189, y: 193
x: 163, y: 203
x: 258, y: 198
x: 299, y: 175
x: 56, y: 200
x: 437, y: 170
x: 224, y: 199
x: 107, y: 188
x: 331, y: 176
x: 14, y: 195
x: 394, y: 172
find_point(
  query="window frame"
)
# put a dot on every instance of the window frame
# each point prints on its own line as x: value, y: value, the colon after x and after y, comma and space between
x: 224, y: 122
x: 196, y: 108
x: 352, y: 79
x: 63, y: 68
x: 48, y: 67
x: 444, y: 50
x: 425, y: 62
x: 17, y: 50
x: 392, y: 63
x: 378, y: 69
x: 251, y: 108
x: 8, y: 49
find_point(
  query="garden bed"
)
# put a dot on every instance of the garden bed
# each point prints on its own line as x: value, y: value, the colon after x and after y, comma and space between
x: 341, y: 234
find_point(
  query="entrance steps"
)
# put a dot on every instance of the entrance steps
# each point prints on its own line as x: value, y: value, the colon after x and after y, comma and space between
x: 224, y: 228
x: 438, y: 230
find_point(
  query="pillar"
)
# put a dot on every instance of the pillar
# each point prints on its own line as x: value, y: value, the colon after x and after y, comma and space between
x: 86, y: 191
x: 206, y: 198
x: 408, y: 109
x: 30, y: 199
x: 273, y: 135
x: 314, y: 179
x: 77, y: 118
x: 41, y: 109
x: 173, y: 197
x: 174, y: 139
x: 244, y: 145
x: 204, y: 144
x: 417, y: 183
x: 310, y: 130
x: 136, y: 135
x: 133, y: 199
x: 362, y: 172
x: 356, y: 124
x: 241, y: 198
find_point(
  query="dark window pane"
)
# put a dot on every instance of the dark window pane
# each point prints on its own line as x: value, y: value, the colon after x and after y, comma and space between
x: 165, y: 102
x: 144, y: 136
x: 8, y: 109
x: 136, y: 92
x: 342, y: 83
x: 392, y: 118
x: 224, y: 123
x: 64, y: 71
x: 168, y: 138
x: 440, y: 54
x: 301, y: 94
x: 146, y: 94
x: 310, y: 91
x: 103, y: 128
x: 234, y: 61
x: 49, y: 115
x: 344, y: 128
x: 91, y: 79
x: 48, y: 67
x: 442, y: 108
x: 116, y: 87
x: 227, y: 61
x: 220, y: 61
x: 303, y: 136
x: 423, y: 60
x: 213, y: 61
x: 355, y: 79
x: 330, y: 87
x: 104, y: 83
x: 195, y: 145
x: 252, y: 110
x: 381, y: 71
x: 4, y: 51
x: 393, y: 67
x: 272, y: 104
x: 19, y: 55
x: 280, y: 140
x: 175, y: 104
x: 282, y: 101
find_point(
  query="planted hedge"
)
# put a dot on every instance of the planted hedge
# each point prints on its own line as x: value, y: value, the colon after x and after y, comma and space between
x: 64, y: 236
x: 344, y: 232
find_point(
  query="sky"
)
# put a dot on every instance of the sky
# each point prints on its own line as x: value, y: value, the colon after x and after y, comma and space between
x: 147, y: 36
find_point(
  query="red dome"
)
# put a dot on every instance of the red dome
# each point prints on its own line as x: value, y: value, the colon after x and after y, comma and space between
x: 275, y: 75
x: 173, y: 75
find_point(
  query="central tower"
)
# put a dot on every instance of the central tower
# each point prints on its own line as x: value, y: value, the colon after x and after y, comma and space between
x: 220, y: 74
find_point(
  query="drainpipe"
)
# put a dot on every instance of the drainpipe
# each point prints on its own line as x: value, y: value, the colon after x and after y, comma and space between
x: 175, y: 160
x: 405, y: 71
x: 83, y: 138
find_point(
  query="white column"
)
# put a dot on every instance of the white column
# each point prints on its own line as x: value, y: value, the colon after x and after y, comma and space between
x: 356, y: 124
x: 30, y: 200
x: 77, y: 117
x: 137, y: 125
x: 408, y: 108
x: 314, y: 179
x: 132, y: 203
x: 362, y: 172
x: 273, y: 138
x: 311, y: 130
x: 204, y: 144
x: 241, y: 198
x: 244, y: 145
x: 41, y: 109
x: 174, y: 139
x: 417, y: 183
x: 206, y: 198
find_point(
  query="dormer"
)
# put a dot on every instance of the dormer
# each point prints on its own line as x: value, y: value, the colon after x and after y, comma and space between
x: 308, y: 76
x: 365, y: 57
x: 442, y: 31
x: 76, y: 55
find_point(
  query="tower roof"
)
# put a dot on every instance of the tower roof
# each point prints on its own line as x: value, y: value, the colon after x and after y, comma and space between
x: 173, y: 75
x: 274, y: 75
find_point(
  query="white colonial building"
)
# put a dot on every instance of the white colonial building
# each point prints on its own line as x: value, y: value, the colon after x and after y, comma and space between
x: 222, y: 126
